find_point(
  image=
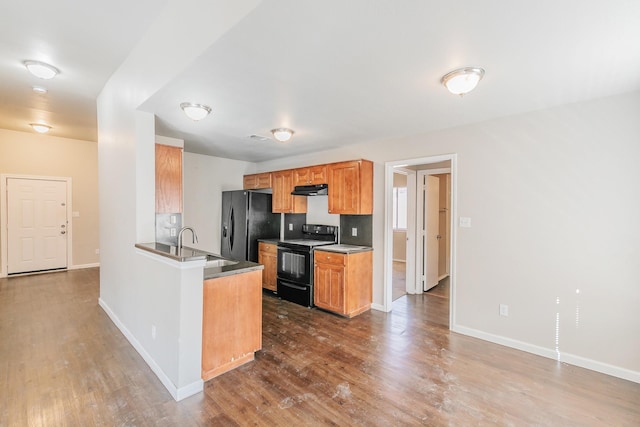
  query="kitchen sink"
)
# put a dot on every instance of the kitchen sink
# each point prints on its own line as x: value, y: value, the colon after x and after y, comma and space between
x: 214, y: 261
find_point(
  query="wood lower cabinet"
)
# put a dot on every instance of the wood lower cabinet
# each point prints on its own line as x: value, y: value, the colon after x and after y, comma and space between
x: 310, y: 175
x: 231, y: 322
x: 343, y: 282
x: 268, y: 257
x: 350, y: 187
x: 256, y: 181
x: 282, y: 200
x: 168, y: 179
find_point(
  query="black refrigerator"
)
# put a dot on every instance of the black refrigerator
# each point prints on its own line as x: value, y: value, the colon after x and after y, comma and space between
x: 246, y: 217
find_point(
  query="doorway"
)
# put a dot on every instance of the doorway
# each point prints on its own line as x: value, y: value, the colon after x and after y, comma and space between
x: 441, y: 172
x: 35, y: 212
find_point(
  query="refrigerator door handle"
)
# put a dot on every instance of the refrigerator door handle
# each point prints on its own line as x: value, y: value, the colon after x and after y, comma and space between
x: 232, y: 221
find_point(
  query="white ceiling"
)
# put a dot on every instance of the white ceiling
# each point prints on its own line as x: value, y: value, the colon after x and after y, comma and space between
x: 337, y: 72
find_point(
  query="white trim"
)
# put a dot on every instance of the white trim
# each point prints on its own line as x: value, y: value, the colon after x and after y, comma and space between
x: 568, y: 358
x: 388, y: 230
x: 3, y: 216
x: 379, y: 307
x: 177, y: 393
x: 81, y: 266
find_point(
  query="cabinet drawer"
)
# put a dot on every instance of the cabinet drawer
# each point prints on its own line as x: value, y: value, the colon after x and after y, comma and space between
x: 330, y: 258
x: 267, y: 247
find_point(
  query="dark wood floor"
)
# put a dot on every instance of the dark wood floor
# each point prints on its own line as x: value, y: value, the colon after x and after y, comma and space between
x: 63, y: 363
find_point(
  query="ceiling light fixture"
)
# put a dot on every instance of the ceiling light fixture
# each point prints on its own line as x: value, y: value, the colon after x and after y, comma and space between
x: 41, y: 70
x: 39, y: 89
x: 462, y: 80
x: 40, y: 127
x: 195, y: 111
x: 282, y: 134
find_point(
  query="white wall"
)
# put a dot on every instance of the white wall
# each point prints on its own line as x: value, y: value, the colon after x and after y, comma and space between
x: 553, y: 197
x: 205, y: 178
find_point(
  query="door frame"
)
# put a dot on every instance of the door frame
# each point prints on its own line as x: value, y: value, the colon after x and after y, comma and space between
x: 411, y: 228
x: 4, y: 243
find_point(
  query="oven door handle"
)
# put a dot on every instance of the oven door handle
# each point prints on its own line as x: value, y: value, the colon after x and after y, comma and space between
x: 291, y: 285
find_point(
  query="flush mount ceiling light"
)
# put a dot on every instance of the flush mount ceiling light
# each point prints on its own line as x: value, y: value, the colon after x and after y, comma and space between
x: 40, y: 127
x: 41, y: 70
x: 282, y: 134
x: 462, y: 80
x: 39, y: 89
x: 195, y: 111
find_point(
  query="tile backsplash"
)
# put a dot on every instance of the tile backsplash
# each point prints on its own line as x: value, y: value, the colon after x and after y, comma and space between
x: 360, y: 225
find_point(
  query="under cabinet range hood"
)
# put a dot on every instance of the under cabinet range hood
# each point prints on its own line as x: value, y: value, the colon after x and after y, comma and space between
x: 311, y: 190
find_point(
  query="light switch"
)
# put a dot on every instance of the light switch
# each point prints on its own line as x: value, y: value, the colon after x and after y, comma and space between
x: 354, y: 231
x: 75, y: 214
x: 173, y: 219
x: 465, y: 222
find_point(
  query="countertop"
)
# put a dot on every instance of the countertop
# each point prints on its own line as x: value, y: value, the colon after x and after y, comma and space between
x: 341, y: 248
x: 344, y: 249
x: 190, y: 254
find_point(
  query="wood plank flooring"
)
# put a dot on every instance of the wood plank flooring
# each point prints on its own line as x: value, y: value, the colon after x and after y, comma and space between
x: 63, y: 363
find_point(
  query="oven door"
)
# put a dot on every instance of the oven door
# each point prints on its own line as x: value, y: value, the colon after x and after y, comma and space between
x: 295, y: 292
x: 294, y: 265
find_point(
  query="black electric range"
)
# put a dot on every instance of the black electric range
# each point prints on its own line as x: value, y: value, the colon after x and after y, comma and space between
x: 295, y: 262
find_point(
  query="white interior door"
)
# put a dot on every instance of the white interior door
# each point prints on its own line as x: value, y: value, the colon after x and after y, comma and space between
x: 433, y: 231
x: 36, y: 225
x: 428, y: 226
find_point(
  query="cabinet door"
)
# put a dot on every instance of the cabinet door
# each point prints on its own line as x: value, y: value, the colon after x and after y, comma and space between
x: 350, y: 187
x: 329, y: 287
x: 329, y: 281
x: 257, y: 181
x: 344, y: 188
x: 168, y: 179
x: 267, y: 256
x: 283, y: 201
x: 310, y: 175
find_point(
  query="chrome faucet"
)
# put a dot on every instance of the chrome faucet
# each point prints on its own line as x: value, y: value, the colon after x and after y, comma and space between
x: 193, y: 232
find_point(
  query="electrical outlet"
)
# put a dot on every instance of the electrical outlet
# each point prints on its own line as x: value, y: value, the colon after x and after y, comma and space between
x: 153, y: 331
x: 173, y: 232
x: 290, y: 227
x: 354, y: 231
x: 504, y: 310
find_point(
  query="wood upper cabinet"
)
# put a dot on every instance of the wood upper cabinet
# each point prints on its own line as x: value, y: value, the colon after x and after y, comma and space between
x: 268, y: 256
x: 168, y: 179
x: 256, y: 181
x: 343, y: 282
x: 310, y: 175
x: 350, y: 187
x: 282, y: 200
x: 231, y: 322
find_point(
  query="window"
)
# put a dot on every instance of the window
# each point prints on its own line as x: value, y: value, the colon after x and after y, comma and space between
x: 399, y: 208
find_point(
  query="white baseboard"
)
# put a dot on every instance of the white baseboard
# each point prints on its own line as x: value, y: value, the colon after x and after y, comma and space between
x: 378, y: 307
x: 81, y: 266
x: 177, y: 393
x: 568, y: 358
